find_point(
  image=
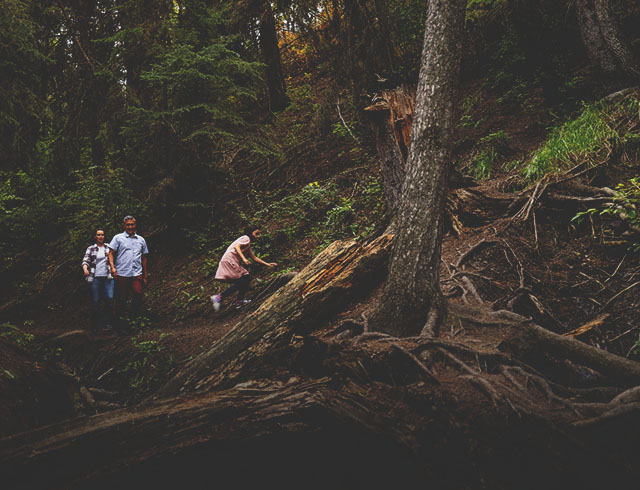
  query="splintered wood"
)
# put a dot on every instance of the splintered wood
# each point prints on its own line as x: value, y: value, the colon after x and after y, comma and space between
x: 587, y: 326
x: 344, y: 262
x: 399, y: 103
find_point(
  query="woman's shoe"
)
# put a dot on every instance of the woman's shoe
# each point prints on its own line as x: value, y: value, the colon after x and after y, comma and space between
x: 216, y: 301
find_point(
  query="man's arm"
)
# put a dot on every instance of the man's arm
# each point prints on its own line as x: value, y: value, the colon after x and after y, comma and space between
x: 114, y: 272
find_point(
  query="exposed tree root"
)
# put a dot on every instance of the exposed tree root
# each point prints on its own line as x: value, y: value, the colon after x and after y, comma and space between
x: 632, y: 395
x: 457, y: 362
x: 421, y: 367
x: 350, y: 328
x: 536, y: 337
x: 478, y: 247
x: 620, y: 411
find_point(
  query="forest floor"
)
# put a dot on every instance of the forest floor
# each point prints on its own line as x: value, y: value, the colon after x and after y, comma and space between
x: 567, y: 275
x: 530, y: 258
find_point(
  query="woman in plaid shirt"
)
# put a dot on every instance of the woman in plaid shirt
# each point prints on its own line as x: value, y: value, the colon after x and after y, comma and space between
x: 97, y: 273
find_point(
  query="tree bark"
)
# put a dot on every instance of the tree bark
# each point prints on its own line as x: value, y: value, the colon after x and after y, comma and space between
x: 605, y: 49
x: 412, y: 301
x: 392, y: 118
x: 278, y: 99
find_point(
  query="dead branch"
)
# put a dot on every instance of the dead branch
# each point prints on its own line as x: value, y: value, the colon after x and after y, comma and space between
x: 346, y: 126
x: 317, y: 291
x: 618, y: 368
x: 596, y: 322
x: 525, y: 211
x: 623, y: 334
x: 618, y: 295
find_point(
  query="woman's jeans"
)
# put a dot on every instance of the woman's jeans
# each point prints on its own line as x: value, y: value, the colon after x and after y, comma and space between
x: 101, y: 289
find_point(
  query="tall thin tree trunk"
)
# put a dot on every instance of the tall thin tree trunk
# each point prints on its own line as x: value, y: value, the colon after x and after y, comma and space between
x: 601, y: 39
x: 278, y: 99
x: 386, y: 45
x: 353, y: 39
x: 411, y: 300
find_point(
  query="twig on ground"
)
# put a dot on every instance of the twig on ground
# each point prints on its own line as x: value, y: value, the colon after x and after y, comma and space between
x: 344, y: 122
x: 617, y: 295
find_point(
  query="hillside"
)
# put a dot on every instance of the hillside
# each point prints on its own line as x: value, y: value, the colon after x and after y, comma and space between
x: 531, y: 380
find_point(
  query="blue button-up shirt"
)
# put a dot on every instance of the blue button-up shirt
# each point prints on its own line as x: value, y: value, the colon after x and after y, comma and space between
x: 128, y: 251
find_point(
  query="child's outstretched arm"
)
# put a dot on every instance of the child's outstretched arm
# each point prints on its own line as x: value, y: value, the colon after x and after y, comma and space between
x: 260, y: 261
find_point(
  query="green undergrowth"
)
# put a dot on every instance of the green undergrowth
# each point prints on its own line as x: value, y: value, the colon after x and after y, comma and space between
x: 587, y: 140
x: 15, y: 334
x: 148, y: 365
x: 321, y: 213
x: 625, y: 206
x: 489, y: 151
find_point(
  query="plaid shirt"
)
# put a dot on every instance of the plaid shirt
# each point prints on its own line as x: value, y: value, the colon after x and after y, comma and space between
x: 90, y: 260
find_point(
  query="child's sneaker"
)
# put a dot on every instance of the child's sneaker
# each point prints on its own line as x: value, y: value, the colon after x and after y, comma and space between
x: 216, y: 301
x: 242, y: 302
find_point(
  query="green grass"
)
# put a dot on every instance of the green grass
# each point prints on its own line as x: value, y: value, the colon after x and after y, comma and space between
x: 490, y: 150
x: 588, y: 139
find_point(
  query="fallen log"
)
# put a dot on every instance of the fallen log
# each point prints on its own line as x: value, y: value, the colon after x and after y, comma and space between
x: 333, y: 278
x: 220, y: 437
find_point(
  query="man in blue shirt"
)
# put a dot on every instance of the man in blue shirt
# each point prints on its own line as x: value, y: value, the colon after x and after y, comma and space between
x: 128, y: 261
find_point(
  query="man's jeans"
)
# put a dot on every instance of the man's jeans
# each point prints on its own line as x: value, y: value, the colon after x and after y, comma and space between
x: 101, y: 289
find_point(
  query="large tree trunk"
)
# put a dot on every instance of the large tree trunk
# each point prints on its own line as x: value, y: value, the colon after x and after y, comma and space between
x: 606, y: 51
x: 278, y: 99
x: 412, y: 300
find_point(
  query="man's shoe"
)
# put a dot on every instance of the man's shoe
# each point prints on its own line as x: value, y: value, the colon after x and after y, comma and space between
x: 216, y: 301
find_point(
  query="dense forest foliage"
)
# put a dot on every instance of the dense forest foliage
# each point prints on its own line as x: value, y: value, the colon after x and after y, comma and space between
x: 200, y: 115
